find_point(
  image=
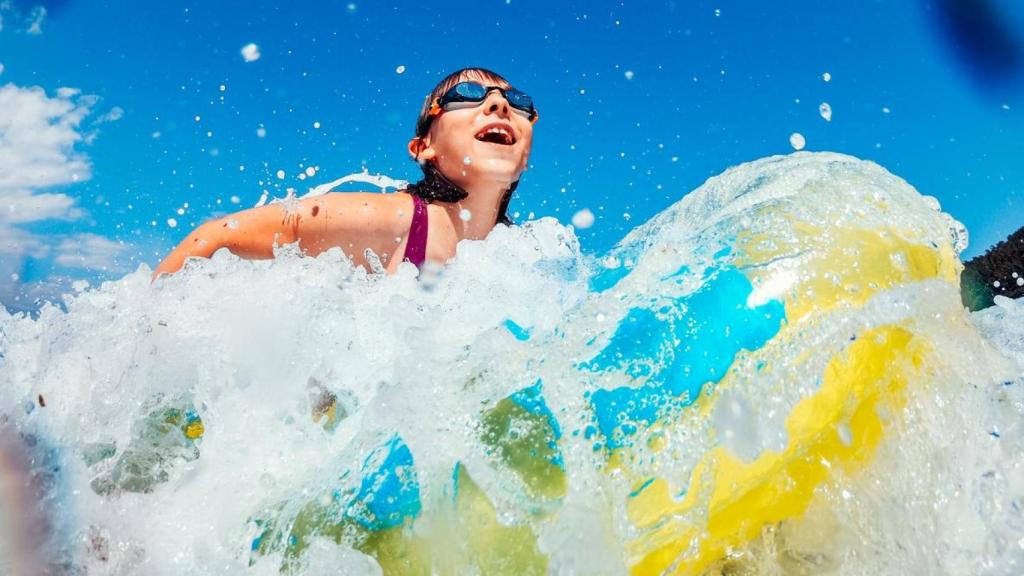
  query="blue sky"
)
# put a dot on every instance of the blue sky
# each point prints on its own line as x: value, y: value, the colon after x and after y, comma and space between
x: 640, y: 102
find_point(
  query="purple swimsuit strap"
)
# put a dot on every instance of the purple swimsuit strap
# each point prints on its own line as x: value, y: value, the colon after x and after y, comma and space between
x: 416, y: 247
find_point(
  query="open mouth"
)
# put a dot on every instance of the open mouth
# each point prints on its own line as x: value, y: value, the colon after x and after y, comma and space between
x: 496, y: 134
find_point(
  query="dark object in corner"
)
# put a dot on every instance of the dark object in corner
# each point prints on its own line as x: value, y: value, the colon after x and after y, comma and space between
x: 985, y: 37
x: 999, y: 264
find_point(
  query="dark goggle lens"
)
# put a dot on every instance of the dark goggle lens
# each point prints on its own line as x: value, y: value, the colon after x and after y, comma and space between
x: 469, y: 91
x: 474, y: 92
x: 519, y: 99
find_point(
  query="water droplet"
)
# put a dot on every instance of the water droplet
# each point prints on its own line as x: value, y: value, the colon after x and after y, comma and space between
x: 261, y: 132
x: 172, y: 222
x: 310, y: 171
x: 796, y: 140
x: 467, y: 160
x: 316, y: 125
x: 826, y: 77
x: 826, y: 111
x: 628, y: 74
x: 465, y: 215
x: 400, y: 70
x: 280, y: 174
x: 250, y: 52
x: 583, y: 219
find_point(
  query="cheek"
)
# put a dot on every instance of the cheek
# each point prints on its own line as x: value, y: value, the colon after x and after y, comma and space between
x: 452, y: 141
x: 527, y: 147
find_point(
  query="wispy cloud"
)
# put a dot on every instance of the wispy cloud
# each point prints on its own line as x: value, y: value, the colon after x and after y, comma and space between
x: 115, y: 114
x: 36, y: 18
x: 32, y: 20
x: 90, y: 252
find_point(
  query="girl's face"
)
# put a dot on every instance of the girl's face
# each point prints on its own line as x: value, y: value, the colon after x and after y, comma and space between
x: 488, y: 143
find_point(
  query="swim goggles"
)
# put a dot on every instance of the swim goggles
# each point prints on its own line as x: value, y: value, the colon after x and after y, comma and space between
x: 472, y: 94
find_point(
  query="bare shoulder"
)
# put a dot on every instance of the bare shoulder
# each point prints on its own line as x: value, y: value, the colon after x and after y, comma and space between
x: 374, y: 210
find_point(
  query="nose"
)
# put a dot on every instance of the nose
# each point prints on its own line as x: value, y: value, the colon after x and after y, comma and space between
x: 495, y: 103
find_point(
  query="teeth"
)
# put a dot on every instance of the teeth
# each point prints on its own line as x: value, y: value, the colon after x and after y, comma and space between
x: 506, y: 136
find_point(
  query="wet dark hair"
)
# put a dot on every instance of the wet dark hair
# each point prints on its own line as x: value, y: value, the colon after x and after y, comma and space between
x: 434, y: 187
x: 998, y: 264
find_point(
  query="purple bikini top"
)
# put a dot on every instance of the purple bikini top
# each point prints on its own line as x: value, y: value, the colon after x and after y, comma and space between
x: 416, y: 247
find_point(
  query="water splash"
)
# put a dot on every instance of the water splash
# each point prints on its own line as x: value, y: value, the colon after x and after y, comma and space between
x: 205, y: 420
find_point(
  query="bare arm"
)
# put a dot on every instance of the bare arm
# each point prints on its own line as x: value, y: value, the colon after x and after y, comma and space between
x: 352, y: 221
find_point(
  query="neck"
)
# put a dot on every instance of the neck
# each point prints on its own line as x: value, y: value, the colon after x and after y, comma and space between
x: 482, y: 203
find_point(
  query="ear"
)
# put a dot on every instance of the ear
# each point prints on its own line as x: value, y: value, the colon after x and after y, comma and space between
x: 420, y: 149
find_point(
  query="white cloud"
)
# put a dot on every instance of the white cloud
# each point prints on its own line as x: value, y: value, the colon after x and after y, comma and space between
x: 90, y: 252
x: 20, y: 206
x: 37, y: 15
x: 40, y: 138
x: 250, y: 52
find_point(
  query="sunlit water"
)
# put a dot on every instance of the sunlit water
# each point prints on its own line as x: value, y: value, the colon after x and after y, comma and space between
x: 159, y: 428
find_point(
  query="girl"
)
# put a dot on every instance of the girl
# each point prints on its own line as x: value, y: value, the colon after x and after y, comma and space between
x: 473, y: 139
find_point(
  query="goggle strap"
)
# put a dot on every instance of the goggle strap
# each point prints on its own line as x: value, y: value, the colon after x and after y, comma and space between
x: 435, y: 107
